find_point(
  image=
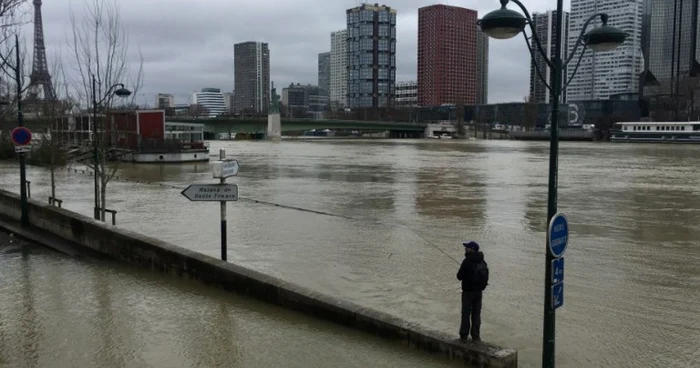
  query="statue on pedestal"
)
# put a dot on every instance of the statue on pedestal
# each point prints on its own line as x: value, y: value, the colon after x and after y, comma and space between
x: 274, y: 101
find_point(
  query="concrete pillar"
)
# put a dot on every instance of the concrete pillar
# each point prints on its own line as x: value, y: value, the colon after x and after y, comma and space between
x: 274, y: 127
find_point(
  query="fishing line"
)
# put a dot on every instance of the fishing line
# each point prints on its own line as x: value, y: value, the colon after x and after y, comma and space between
x: 294, y: 208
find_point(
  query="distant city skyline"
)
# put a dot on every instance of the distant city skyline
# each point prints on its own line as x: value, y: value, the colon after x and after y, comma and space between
x: 190, y: 45
x: 183, y: 72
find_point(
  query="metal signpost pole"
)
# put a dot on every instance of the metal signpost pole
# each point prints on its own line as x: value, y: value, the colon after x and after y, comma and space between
x: 221, y: 192
x: 95, y: 147
x: 222, y: 157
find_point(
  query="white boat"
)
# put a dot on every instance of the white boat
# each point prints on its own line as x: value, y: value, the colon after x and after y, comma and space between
x: 656, y: 132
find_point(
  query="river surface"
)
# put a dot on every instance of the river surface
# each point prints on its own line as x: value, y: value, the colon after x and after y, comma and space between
x: 56, y: 311
x: 632, y: 295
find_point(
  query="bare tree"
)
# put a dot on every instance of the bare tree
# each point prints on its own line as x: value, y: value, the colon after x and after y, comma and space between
x: 675, y: 99
x: 54, y: 112
x: 12, y: 16
x: 100, y: 47
x: 531, y: 113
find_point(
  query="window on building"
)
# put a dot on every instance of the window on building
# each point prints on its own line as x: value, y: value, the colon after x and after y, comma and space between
x: 384, y: 30
x: 366, y: 73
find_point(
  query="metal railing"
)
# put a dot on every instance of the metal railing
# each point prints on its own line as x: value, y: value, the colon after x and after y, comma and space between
x: 55, y: 202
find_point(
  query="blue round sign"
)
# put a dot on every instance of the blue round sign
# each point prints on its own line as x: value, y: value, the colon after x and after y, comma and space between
x: 558, y: 234
x: 21, y: 136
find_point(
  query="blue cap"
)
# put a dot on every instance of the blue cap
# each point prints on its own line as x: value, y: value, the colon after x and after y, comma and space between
x: 472, y: 245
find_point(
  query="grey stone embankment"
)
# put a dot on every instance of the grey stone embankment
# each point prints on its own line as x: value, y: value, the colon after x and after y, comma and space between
x: 137, y: 249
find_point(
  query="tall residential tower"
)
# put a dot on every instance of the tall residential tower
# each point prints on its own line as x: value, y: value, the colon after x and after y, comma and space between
x: 546, y: 27
x: 339, y: 69
x: 252, y: 76
x: 371, y: 35
x: 482, y: 67
x: 604, y: 74
x: 324, y: 72
x: 447, y: 55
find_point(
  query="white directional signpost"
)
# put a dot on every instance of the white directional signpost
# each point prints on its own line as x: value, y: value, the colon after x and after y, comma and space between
x: 211, y: 192
x: 221, y: 192
x: 558, y: 234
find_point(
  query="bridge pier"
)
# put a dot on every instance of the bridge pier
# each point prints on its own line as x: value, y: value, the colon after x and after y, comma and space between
x: 274, y: 127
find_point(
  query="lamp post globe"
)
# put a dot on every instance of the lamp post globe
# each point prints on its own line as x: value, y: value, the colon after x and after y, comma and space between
x: 503, y: 23
x: 605, y: 38
x: 122, y: 92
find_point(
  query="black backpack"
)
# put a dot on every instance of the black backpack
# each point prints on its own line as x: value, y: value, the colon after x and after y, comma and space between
x: 481, y: 275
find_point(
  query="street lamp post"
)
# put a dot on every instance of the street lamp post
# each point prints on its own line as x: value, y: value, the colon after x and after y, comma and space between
x: 24, y: 205
x: 505, y: 23
x: 120, y: 92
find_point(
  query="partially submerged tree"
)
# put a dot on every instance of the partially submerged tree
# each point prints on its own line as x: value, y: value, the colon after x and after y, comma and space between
x: 100, y: 47
x: 51, y: 150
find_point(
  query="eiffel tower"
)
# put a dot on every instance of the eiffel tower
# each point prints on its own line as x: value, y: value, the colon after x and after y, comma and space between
x: 40, y: 76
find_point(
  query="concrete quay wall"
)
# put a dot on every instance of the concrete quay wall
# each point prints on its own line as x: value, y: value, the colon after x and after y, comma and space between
x: 144, y: 251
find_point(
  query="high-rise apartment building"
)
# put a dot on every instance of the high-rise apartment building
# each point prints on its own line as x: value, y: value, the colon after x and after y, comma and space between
x: 406, y: 94
x: 371, y: 35
x: 212, y: 100
x: 546, y: 28
x: 671, y: 52
x: 228, y: 102
x: 447, y: 55
x: 324, y: 72
x: 482, y: 67
x: 603, y: 74
x: 339, y: 69
x: 252, y: 76
x: 165, y: 101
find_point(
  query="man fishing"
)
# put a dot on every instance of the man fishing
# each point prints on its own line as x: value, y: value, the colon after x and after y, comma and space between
x: 474, y: 274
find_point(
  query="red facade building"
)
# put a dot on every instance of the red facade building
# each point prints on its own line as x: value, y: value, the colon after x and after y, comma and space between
x: 134, y: 129
x: 447, y: 55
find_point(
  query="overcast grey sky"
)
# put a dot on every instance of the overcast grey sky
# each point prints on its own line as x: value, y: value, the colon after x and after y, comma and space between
x: 188, y: 44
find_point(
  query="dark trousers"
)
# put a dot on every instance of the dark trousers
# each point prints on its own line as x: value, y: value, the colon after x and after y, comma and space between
x: 471, y: 314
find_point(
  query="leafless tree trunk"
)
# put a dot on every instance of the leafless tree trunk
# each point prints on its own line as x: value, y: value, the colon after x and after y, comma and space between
x: 55, y: 112
x: 531, y: 113
x: 100, y: 48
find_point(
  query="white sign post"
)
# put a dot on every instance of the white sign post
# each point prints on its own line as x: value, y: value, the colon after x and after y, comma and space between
x: 221, y: 192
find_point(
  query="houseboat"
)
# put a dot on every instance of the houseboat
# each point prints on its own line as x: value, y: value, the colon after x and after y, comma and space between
x: 141, y: 136
x: 652, y: 132
x: 146, y: 137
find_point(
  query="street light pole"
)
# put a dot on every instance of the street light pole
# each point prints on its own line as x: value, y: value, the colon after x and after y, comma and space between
x: 95, y: 145
x: 24, y: 206
x: 505, y: 23
x: 548, y: 335
x: 121, y: 92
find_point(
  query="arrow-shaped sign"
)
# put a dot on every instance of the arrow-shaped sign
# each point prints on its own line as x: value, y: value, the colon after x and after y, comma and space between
x: 224, y: 169
x: 211, y: 192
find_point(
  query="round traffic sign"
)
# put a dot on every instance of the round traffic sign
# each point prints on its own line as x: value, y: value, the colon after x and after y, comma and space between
x: 21, y: 136
x: 558, y: 235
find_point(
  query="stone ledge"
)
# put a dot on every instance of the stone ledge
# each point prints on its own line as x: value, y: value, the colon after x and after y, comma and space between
x: 138, y: 249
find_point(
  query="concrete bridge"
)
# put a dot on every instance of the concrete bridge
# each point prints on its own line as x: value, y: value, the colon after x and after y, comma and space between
x: 214, y: 126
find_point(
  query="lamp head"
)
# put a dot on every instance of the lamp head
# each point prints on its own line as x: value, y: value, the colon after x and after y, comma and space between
x: 122, y: 92
x: 605, y: 38
x: 503, y: 23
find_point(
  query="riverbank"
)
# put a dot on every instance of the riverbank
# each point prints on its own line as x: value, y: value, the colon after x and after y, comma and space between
x: 154, y: 254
